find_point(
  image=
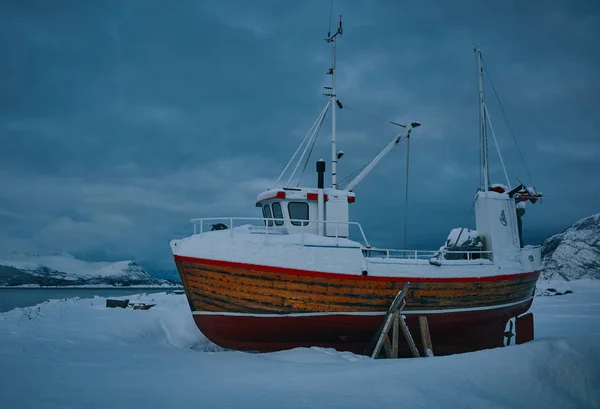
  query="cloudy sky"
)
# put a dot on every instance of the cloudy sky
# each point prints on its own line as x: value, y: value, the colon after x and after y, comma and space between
x: 121, y: 120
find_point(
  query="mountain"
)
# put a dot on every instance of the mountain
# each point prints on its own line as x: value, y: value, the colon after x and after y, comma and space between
x: 66, y: 270
x: 574, y: 253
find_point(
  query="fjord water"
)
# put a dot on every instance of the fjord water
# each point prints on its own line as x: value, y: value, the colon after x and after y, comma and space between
x: 25, y: 297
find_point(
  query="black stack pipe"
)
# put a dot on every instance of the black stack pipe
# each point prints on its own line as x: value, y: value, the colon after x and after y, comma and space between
x: 321, y: 174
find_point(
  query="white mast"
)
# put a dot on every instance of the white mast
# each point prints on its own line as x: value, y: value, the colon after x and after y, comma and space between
x: 485, y: 173
x: 331, y: 93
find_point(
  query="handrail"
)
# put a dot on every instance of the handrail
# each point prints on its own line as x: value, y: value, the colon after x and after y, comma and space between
x: 421, y: 254
x: 389, y: 253
x: 269, y: 223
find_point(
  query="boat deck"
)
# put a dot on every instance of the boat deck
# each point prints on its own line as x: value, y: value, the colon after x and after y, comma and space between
x: 260, y: 246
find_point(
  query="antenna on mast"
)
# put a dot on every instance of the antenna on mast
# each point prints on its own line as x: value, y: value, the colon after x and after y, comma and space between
x: 330, y: 92
x: 330, y: 15
x: 339, y: 31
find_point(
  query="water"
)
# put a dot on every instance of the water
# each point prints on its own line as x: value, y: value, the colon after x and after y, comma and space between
x: 25, y: 297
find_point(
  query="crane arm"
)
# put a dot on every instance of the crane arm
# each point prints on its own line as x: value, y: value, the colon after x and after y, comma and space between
x: 395, y: 141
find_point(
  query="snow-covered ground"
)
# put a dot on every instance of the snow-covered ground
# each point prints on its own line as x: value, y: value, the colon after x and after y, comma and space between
x: 76, y: 353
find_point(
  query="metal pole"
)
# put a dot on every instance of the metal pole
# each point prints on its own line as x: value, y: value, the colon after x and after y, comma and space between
x: 482, y: 123
x: 333, y: 120
x: 406, y: 192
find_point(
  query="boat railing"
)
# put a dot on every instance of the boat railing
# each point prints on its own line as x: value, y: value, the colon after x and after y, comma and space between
x: 425, y: 254
x: 399, y: 254
x: 269, y: 226
x: 466, y: 255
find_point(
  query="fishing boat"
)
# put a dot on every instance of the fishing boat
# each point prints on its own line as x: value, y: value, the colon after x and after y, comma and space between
x: 303, y: 274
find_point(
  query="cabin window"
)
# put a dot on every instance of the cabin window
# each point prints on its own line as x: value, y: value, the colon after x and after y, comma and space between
x: 298, y: 211
x: 277, y: 213
x: 267, y: 215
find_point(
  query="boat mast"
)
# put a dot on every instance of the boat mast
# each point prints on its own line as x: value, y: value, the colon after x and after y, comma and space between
x: 331, y: 93
x: 485, y: 173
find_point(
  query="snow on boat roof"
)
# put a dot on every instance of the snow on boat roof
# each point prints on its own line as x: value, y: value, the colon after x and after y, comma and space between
x: 303, y: 193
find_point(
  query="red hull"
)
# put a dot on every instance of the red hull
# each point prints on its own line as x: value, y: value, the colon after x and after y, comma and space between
x: 259, y: 308
x: 451, y: 333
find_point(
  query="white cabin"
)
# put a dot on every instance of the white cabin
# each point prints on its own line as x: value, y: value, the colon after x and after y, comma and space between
x: 297, y: 210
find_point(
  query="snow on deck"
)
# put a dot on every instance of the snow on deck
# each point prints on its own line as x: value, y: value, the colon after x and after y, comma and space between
x: 76, y: 353
x: 319, y: 253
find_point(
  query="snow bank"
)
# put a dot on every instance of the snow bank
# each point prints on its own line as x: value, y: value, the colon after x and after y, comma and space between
x: 76, y: 353
x: 168, y: 323
x: 552, y: 287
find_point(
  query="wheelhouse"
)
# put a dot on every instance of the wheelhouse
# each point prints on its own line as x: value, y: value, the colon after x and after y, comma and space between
x: 297, y: 210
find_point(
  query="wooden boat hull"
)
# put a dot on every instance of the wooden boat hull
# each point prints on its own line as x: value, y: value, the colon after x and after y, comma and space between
x: 263, y: 308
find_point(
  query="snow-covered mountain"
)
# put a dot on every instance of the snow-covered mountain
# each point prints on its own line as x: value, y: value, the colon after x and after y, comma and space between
x: 64, y: 269
x: 574, y: 253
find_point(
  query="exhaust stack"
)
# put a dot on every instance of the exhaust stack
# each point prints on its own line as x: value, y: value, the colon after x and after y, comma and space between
x: 320, y: 174
x: 320, y: 197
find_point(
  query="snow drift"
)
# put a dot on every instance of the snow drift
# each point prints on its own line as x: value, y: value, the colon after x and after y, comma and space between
x: 76, y: 353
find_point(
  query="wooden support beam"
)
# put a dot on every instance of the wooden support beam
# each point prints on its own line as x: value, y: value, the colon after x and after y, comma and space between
x: 377, y: 341
x: 409, y: 338
x: 382, y: 336
x: 387, y: 347
x: 395, y: 326
x: 425, y: 336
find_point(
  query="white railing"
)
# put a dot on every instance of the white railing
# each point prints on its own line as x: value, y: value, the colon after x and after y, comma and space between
x: 270, y: 227
x: 396, y: 253
x: 423, y: 254
x: 472, y: 255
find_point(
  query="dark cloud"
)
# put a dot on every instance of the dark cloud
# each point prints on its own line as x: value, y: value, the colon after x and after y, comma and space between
x: 120, y: 120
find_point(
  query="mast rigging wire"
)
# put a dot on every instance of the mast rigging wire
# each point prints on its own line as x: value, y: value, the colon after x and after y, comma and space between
x: 489, y: 120
x: 342, y: 182
x: 507, y: 123
x: 306, y: 139
x: 316, y: 133
x: 312, y: 131
x: 346, y: 180
x: 374, y: 116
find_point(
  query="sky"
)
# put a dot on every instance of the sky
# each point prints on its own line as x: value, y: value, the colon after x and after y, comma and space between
x: 122, y: 120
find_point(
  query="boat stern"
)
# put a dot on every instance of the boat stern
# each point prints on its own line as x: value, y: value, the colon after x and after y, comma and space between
x: 531, y: 258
